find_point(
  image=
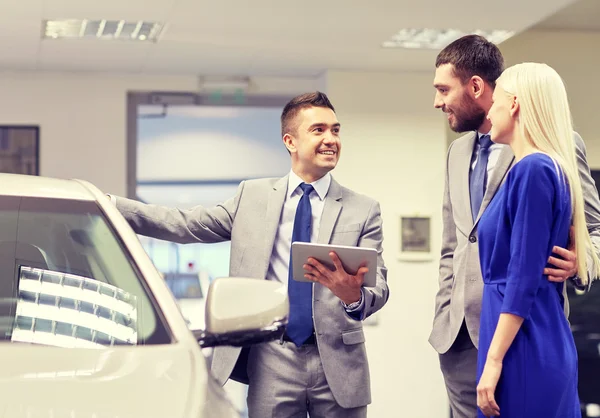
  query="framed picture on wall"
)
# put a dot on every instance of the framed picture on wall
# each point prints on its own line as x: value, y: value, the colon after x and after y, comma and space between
x: 415, y: 238
x: 19, y: 149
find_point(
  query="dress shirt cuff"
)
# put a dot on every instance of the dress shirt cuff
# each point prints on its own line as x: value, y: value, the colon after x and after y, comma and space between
x: 356, y: 305
x: 355, y: 310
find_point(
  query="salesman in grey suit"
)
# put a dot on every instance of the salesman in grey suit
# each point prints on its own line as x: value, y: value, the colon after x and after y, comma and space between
x: 466, y: 71
x: 320, y: 366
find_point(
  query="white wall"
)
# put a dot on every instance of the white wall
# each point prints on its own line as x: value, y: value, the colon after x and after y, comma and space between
x: 394, y: 147
x: 82, y: 117
x: 575, y: 56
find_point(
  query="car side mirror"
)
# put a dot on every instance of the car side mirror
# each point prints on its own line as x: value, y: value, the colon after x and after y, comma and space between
x: 242, y: 311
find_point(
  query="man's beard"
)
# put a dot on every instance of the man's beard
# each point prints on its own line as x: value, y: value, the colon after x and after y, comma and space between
x: 468, y: 116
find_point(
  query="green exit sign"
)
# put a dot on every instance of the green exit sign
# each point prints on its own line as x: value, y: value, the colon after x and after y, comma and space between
x: 220, y: 96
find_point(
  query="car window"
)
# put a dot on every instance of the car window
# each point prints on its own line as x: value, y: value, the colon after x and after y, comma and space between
x: 66, y: 279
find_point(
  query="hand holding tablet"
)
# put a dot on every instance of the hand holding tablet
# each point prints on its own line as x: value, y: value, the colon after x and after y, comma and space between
x: 352, y: 259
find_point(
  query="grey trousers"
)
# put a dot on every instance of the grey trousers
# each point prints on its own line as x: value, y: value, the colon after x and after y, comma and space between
x: 459, y: 367
x: 288, y: 382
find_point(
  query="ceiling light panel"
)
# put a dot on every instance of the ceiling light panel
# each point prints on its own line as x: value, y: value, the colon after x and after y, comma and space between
x: 102, y: 29
x: 438, y: 39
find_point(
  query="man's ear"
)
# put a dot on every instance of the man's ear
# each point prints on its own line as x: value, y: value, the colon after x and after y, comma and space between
x: 290, y: 142
x: 477, y: 86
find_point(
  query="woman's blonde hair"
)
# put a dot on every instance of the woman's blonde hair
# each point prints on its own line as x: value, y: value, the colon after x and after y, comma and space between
x: 544, y: 120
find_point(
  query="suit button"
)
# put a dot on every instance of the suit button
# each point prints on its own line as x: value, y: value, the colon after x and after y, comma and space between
x: 473, y: 238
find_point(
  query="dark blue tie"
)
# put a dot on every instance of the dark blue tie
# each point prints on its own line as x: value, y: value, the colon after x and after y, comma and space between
x: 478, y: 179
x: 300, y: 323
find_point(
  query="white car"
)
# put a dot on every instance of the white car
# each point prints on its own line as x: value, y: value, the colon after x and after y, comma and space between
x: 89, y: 328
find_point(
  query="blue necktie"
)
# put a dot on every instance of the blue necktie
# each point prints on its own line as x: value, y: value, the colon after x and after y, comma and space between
x: 300, y: 323
x: 478, y: 179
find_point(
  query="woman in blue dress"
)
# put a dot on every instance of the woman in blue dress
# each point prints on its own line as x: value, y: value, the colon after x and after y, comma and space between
x: 527, y: 361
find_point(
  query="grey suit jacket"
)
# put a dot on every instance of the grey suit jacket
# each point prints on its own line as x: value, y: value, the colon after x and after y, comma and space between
x: 461, y: 284
x: 250, y: 221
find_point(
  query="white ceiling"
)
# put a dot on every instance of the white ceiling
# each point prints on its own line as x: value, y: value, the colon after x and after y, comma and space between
x: 583, y: 15
x: 262, y: 37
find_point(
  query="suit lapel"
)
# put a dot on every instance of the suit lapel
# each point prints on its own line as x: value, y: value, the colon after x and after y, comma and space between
x: 331, y: 211
x: 504, y: 162
x: 466, y: 157
x: 273, y: 215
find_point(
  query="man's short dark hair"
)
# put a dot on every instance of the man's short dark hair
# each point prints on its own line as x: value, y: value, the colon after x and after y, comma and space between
x: 473, y: 55
x: 294, y: 106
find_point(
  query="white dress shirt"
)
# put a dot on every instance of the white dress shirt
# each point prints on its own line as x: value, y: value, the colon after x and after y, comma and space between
x: 495, y: 151
x: 280, y: 257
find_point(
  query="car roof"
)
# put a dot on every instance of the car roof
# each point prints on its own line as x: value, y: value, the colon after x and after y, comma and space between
x: 44, y: 187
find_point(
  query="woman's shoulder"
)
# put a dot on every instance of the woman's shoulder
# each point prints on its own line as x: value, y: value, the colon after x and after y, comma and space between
x: 535, y: 168
x: 536, y: 162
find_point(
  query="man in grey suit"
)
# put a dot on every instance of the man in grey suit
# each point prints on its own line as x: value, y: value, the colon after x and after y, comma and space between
x: 466, y: 71
x: 320, y: 367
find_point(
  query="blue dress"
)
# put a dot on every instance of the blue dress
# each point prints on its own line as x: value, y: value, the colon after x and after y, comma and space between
x: 529, y: 215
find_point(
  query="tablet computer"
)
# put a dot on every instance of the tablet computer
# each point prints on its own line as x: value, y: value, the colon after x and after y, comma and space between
x: 351, y: 257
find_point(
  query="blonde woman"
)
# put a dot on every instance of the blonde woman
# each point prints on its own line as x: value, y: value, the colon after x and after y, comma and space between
x: 527, y: 361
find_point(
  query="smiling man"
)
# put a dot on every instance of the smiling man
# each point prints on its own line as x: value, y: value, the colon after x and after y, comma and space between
x: 320, y: 366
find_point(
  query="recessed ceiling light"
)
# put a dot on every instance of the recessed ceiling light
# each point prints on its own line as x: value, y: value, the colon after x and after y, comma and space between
x: 438, y: 39
x: 102, y: 29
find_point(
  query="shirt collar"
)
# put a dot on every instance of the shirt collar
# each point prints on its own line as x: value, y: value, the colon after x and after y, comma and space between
x: 493, y: 146
x: 321, y: 186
